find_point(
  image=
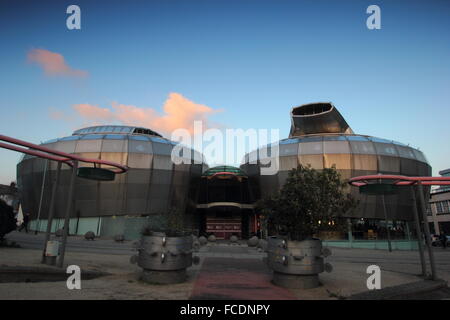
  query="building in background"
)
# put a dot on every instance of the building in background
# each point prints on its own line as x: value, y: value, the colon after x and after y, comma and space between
x: 439, y: 208
x: 444, y: 173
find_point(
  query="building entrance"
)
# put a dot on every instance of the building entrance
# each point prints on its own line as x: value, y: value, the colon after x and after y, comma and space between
x: 225, y: 203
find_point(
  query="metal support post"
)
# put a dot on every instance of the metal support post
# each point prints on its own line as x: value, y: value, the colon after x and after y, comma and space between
x: 68, y: 211
x: 418, y: 232
x: 38, y: 222
x: 51, y: 211
x: 427, y: 230
x: 387, y: 227
x: 350, y: 234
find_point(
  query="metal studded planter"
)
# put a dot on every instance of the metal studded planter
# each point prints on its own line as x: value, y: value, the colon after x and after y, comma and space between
x: 164, y: 259
x: 297, y: 264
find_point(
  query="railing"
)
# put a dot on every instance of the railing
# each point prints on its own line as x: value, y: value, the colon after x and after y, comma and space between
x: 55, y: 155
x: 388, y: 180
x: 71, y: 160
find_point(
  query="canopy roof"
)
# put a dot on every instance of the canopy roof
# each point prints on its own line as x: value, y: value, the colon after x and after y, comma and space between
x: 225, y: 170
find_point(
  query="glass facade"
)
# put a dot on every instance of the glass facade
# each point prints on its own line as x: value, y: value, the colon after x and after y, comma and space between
x: 152, y: 185
x: 352, y: 155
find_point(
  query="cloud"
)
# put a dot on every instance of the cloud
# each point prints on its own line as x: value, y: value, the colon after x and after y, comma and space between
x: 179, y: 112
x: 53, y: 63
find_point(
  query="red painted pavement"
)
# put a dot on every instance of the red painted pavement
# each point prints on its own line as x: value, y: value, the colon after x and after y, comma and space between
x: 237, y: 279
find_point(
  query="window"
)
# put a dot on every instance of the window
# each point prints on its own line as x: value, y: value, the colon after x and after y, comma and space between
x: 115, y: 136
x: 440, y: 207
x: 290, y: 141
x: 357, y: 138
x: 70, y: 138
x: 445, y: 206
x: 160, y: 140
x: 374, y: 139
x: 92, y: 137
x: 405, y: 152
x: 385, y: 149
x: 334, y: 138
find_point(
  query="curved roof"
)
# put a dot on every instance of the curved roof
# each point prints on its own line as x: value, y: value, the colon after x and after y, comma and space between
x: 116, y: 130
x: 345, y: 144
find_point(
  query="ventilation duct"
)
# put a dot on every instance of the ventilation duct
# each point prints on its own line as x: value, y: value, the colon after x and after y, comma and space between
x: 316, y: 118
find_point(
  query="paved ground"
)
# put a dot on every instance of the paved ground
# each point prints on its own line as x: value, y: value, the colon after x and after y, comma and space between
x: 226, y: 271
x: 74, y: 243
x: 237, y: 279
x: 419, y: 290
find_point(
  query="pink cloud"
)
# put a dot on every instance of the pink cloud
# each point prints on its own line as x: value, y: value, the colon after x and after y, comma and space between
x: 53, y: 63
x: 91, y: 112
x: 179, y: 112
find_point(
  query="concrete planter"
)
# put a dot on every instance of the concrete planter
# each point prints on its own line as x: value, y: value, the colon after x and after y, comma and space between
x: 164, y: 259
x: 296, y: 264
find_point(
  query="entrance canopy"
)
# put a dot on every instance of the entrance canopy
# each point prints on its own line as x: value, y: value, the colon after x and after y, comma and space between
x: 224, y: 172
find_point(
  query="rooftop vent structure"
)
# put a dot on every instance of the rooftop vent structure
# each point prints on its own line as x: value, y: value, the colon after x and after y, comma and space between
x: 317, y: 118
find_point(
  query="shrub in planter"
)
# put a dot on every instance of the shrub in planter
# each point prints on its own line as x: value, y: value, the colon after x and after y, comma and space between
x: 165, y: 250
x: 310, y: 201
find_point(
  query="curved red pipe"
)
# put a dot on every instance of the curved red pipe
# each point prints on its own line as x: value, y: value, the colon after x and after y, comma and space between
x: 55, y: 155
x: 400, y: 180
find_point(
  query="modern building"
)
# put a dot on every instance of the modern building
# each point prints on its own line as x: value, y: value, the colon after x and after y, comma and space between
x: 320, y: 137
x: 152, y: 185
x: 439, y: 208
x: 217, y: 200
x: 444, y: 173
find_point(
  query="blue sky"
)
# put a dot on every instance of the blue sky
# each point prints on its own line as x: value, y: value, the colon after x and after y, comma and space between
x: 254, y: 60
